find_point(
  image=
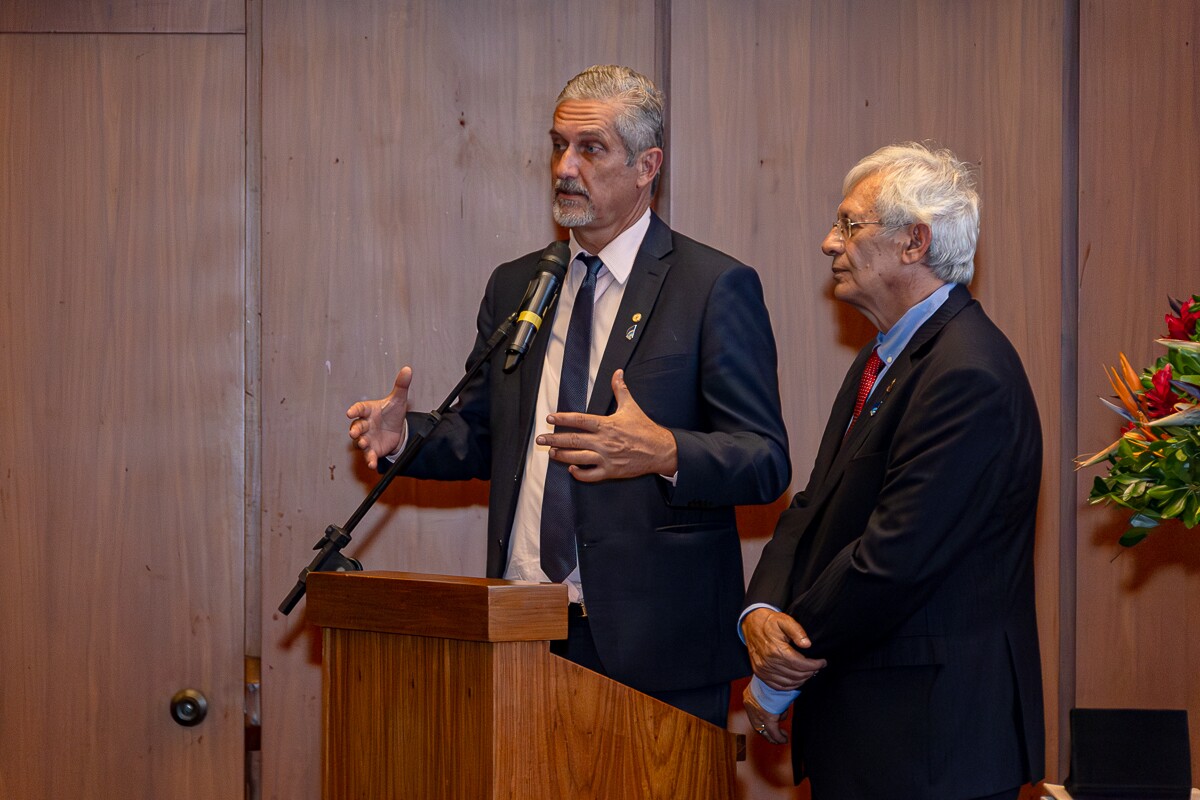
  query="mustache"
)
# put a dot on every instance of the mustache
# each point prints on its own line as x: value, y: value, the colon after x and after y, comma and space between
x: 570, y: 186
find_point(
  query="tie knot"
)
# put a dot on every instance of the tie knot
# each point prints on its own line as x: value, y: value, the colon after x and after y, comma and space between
x: 593, y: 264
x: 874, y: 364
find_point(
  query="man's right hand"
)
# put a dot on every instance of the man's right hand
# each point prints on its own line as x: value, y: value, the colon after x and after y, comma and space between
x: 772, y: 638
x: 379, y: 426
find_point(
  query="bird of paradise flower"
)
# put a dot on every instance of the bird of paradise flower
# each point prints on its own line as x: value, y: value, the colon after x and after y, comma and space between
x: 1154, y: 467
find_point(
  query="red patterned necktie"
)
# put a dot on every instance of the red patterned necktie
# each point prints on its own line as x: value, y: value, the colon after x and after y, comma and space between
x: 870, y: 373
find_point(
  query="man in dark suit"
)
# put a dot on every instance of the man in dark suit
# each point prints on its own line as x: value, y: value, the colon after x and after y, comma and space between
x: 894, y: 603
x: 637, y: 443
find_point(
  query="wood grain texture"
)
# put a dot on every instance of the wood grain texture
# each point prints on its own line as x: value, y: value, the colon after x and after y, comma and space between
x: 773, y: 102
x: 475, y: 609
x: 418, y: 716
x: 121, y: 475
x: 123, y: 16
x: 1139, y: 180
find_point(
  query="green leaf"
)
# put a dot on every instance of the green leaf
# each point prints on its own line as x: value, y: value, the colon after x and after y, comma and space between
x: 1176, y: 506
x: 1132, y: 537
x: 1191, y: 516
x: 1135, y: 489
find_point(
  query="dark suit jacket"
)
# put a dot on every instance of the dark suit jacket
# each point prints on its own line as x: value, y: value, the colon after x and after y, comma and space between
x: 661, y: 566
x: 908, y: 560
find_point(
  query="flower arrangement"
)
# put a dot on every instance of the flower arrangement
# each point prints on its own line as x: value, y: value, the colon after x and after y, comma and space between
x: 1154, y: 468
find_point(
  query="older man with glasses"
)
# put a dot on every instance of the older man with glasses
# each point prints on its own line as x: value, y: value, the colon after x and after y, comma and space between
x: 894, y: 607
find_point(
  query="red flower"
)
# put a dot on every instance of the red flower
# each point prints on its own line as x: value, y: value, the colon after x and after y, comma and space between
x: 1183, y: 326
x: 1159, y: 399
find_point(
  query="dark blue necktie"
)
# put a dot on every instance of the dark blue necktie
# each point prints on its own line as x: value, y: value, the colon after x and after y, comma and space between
x: 558, y: 498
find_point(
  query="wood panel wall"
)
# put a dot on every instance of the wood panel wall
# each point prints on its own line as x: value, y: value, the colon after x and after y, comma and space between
x: 403, y: 149
x: 121, y: 349
x: 1139, y: 183
x: 770, y: 103
x: 124, y: 16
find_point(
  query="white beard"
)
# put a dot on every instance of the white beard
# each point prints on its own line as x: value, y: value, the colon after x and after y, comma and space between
x: 573, y: 215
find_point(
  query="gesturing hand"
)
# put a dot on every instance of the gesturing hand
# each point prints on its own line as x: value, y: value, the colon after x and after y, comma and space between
x: 625, y: 444
x: 772, y: 639
x: 379, y: 426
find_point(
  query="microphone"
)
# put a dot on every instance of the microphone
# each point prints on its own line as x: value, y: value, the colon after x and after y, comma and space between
x: 538, y: 297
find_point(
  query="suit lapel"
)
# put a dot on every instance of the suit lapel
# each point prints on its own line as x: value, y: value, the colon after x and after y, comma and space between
x: 898, y: 373
x: 839, y: 418
x: 636, y: 311
x: 840, y: 451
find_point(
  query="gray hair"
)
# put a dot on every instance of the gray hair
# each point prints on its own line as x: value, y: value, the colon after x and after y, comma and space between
x: 923, y: 184
x: 640, y: 123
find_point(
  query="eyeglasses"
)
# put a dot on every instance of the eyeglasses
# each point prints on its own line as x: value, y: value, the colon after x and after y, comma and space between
x: 845, y: 227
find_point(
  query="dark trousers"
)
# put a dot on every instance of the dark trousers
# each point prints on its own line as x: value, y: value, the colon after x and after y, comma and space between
x: 709, y: 703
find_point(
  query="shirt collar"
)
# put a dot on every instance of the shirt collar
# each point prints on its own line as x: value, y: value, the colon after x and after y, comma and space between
x: 892, y: 343
x: 619, y: 254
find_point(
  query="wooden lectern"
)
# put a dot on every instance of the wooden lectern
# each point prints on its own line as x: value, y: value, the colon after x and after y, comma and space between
x: 445, y: 687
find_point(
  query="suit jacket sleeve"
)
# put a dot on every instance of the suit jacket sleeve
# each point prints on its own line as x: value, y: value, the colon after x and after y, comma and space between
x: 741, y: 455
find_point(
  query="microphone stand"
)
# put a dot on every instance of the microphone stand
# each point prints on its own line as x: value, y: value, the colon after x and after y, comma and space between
x: 330, y: 557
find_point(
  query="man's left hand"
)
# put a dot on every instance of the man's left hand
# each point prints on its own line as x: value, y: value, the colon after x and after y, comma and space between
x: 764, y: 722
x: 625, y: 444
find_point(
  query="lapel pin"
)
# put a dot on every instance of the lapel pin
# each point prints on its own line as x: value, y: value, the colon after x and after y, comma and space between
x: 879, y: 403
x: 630, y: 333
x: 637, y: 317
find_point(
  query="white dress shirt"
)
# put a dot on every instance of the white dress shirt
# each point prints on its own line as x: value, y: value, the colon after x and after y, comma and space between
x: 524, y: 562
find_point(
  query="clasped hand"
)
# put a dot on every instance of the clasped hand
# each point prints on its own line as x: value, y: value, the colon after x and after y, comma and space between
x: 625, y: 444
x: 775, y: 640
x: 766, y: 724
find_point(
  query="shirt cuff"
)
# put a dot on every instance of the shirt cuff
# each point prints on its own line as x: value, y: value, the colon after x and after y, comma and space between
x: 773, y: 701
x: 392, y: 456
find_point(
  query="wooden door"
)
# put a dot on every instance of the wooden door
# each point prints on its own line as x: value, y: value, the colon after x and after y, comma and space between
x: 122, y: 196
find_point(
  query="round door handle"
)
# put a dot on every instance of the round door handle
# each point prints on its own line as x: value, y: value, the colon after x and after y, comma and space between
x: 188, y: 707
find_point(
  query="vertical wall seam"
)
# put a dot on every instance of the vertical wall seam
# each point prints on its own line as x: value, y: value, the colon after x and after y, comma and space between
x: 1069, y: 398
x: 662, y: 51
x: 252, y: 368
